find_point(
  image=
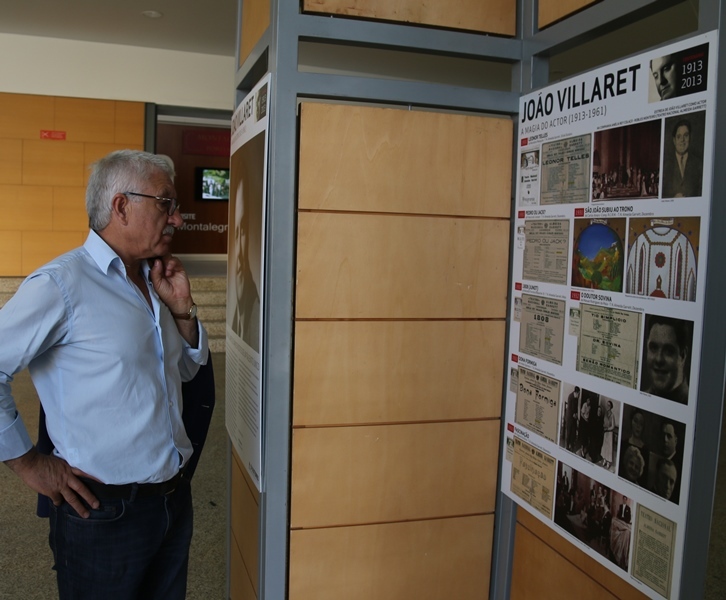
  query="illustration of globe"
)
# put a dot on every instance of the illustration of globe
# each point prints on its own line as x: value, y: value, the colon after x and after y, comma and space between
x: 598, y: 260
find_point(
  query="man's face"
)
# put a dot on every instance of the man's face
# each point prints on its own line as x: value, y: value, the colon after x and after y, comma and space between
x: 666, y: 481
x: 681, y: 139
x: 664, y: 359
x: 240, y: 236
x: 153, y: 226
x: 669, y: 440
x: 665, y: 74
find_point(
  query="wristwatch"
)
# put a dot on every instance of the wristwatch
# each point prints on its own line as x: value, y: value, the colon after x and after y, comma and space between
x: 187, y: 316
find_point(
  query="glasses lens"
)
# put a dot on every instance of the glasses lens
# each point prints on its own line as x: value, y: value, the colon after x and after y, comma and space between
x: 173, y: 206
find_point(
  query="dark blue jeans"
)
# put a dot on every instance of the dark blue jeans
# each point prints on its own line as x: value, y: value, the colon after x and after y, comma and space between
x: 126, y: 550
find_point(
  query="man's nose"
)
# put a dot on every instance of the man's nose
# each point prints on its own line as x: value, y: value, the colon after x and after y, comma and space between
x: 176, y: 219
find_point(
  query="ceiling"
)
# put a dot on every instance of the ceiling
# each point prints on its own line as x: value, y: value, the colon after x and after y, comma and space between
x: 201, y: 26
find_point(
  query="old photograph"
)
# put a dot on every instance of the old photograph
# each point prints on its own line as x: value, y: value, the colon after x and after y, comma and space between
x: 626, y: 163
x: 596, y: 515
x: 590, y: 425
x: 666, y: 363
x: 663, y: 257
x: 651, y: 452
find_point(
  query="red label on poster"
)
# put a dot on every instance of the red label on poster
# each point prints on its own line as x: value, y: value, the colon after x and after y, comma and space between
x: 579, y: 212
x: 510, y: 427
x: 518, y: 286
x: 520, y: 214
x: 574, y: 295
x: 524, y: 142
x: 515, y: 358
x: 47, y: 134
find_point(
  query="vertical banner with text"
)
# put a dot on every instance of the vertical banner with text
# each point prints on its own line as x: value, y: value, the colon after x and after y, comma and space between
x: 613, y: 205
x: 245, y: 276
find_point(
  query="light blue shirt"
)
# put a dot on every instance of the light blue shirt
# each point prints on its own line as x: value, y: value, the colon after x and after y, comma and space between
x: 106, y: 366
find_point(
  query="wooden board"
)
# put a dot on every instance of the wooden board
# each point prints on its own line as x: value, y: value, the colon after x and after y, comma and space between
x: 129, y: 123
x: 86, y: 120
x: 23, y: 116
x: 378, y: 267
x: 245, y: 522
x: 11, y: 263
x: 350, y: 372
x: 51, y: 162
x: 554, y: 10
x: 425, y: 560
x: 11, y: 161
x: 545, y: 560
x: 255, y: 21
x: 26, y: 207
x: 69, y: 209
x: 490, y: 16
x: 358, y: 475
x: 356, y: 158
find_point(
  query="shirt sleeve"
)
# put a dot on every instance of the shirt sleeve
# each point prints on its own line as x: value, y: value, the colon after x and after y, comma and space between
x: 192, y: 358
x: 32, y: 321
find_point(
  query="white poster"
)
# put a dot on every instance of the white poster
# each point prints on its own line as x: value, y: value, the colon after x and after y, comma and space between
x: 245, y: 276
x: 613, y: 203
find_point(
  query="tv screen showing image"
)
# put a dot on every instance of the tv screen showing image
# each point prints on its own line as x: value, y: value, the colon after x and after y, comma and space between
x: 212, y: 183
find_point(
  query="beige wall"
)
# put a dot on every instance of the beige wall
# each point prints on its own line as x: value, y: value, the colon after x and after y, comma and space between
x: 49, y: 66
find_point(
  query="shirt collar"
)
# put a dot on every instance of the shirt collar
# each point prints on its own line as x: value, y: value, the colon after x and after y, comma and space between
x: 102, y: 253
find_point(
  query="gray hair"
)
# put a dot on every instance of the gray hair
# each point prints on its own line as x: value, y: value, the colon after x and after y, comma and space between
x: 119, y: 171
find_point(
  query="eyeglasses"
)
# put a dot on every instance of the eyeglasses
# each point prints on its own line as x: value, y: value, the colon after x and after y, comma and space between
x: 172, y: 203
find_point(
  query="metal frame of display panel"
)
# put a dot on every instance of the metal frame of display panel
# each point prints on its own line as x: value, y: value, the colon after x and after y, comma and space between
x: 528, y: 51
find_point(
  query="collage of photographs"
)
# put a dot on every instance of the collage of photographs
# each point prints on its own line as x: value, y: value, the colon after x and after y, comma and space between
x: 612, y: 212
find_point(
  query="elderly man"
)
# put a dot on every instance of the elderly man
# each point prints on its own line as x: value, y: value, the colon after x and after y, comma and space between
x: 109, y: 332
x: 667, y: 349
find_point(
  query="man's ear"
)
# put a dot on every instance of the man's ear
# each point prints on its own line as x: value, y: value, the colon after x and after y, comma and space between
x: 120, y: 205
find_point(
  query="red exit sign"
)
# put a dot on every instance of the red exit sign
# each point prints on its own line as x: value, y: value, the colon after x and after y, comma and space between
x: 47, y: 134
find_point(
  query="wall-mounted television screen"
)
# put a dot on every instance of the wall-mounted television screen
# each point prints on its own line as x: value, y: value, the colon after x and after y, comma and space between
x: 212, y: 184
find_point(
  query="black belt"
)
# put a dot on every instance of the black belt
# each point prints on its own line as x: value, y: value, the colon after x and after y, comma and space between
x: 131, y: 491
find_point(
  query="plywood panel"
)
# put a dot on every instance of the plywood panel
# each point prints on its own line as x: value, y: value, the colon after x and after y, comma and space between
x: 85, y: 120
x: 376, y: 266
x: 425, y: 560
x: 390, y: 160
x: 554, y: 10
x: 11, y: 161
x: 50, y: 162
x: 556, y: 553
x: 26, y: 207
x: 10, y: 253
x: 39, y: 248
x: 23, y: 116
x: 69, y: 209
x: 129, y: 123
x: 245, y: 521
x: 240, y: 586
x: 353, y: 475
x: 255, y: 21
x: 94, y: 152
x: 491, y: 16
x: 402, y: 371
